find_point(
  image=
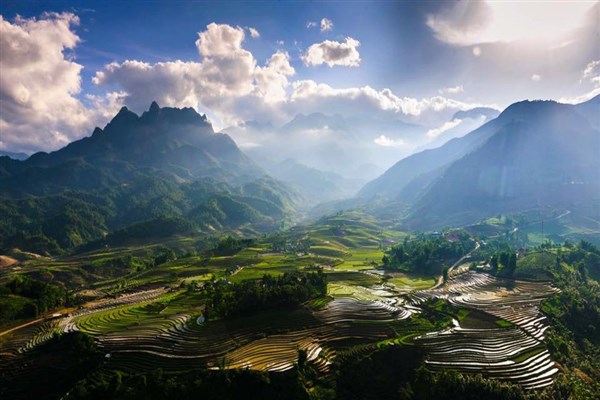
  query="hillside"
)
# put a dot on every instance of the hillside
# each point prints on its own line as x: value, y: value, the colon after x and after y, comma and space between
x: 169, y: 142
x: 545, y: 153
x: 314, y: 184
x: 167, y: 162
x: 536, y: 153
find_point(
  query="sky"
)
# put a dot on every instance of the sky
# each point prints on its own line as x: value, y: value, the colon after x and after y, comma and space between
x: 67, y: 66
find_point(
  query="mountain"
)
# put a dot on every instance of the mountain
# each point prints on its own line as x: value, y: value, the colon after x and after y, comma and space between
x: 477, y: 112
x: 545, y: 153
x: 14, y: 156
x: 536, y: 153
x: 331, y: 142
x: 426, y: 164
x: 315, y: 185
x: 168, y: 162
x: 174, y: 143
x: 461, y: 123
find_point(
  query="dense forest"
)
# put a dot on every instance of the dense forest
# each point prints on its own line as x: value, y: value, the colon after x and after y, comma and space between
x: 427, y: 253
x: 286, y: 291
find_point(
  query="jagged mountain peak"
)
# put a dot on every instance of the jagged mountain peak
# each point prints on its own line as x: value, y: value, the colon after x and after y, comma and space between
x: 178, y: 143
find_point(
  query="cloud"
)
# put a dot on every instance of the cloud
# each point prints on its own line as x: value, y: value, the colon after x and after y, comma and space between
x: 308, y: 95
x: 272, y: 80
x: 333, y: 53
x: 311, y: 24
x: 433, y: 133
x: 452, y: 90
x: 253, y: 32
x: 476, y: 51
x: 39, y: 82
x: 384, y: 141
x: 228, y: 81
x: 592, y: 72
x: 326, y: 25
x: 465, y: 22
x: 40, y: 85
x: 582, y: 98
x: 536, y: 78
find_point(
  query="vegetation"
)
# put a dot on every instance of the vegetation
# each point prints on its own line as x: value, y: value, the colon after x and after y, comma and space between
x: 201, y: 384
x: 574, y: 313
x: 150, y: 295
x: 24, y: 297
x: 427, y: 253
x: 289, y: 290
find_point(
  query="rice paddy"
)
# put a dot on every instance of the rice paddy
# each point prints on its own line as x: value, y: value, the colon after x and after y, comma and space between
x: 152, y: 318
x: 511, y: 350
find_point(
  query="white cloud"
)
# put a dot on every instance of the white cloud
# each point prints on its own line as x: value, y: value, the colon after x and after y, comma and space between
x: 280, y: 43
x: 592, y: 72
x: 253, y: 32
x: 39, y: 83
x: 227, y: 80
x: 311, y: 24
x: 580, y: 99
x: 452, y: 90
x: 308, y: 95
x: 536, y: 77
x: 432, y: 133
x: 385, y: 141
x: 326, y: 25
x: 230, y: 83
x: 271, y: 80
x: 333, y: 53
x: 466, y: 22
x: 220, y: 40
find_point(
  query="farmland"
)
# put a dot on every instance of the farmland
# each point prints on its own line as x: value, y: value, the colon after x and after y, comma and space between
x: 169, y: 310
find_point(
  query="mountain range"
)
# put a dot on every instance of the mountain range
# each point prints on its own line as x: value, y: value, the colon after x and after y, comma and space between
x: 535, y: 153
x: 169, y: 168
x: 166, y: 162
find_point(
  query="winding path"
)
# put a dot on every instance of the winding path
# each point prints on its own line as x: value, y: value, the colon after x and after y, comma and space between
x: 440, y: 280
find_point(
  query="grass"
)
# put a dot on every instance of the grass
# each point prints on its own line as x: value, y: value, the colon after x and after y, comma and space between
x: 503, y: 323
x: 528, y: 354
x: 317, y: 304
x: 412, y: 281
x: 352, y: 278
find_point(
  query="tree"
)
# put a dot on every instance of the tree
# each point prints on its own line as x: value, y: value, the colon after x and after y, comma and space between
x: 494, y: 263
x: 512, y: 264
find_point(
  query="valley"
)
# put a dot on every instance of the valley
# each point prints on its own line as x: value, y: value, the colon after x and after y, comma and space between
x: 156, y: 252
x: 165, y: 316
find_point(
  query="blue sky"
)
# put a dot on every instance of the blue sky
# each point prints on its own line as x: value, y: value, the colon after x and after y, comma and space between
x: 412, y: 60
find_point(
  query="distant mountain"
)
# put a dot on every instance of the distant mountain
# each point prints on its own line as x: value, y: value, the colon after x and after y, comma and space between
x: 317, y: 121
x: 461, y: 123
x: 314, y: 184
x: 426, y: 164
x: 168, y: 162
x: 331, y: 142
x: 14, y: 156
x: 477, y: 112
x: 535, y: 153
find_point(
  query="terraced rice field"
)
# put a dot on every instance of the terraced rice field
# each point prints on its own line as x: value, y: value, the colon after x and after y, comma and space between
x: 515, y: 352
x: 140, y: 333
x: 222, y: 344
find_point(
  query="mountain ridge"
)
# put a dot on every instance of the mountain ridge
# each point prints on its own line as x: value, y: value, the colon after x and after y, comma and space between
x: 166, y: 163
x: 524, y: 157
